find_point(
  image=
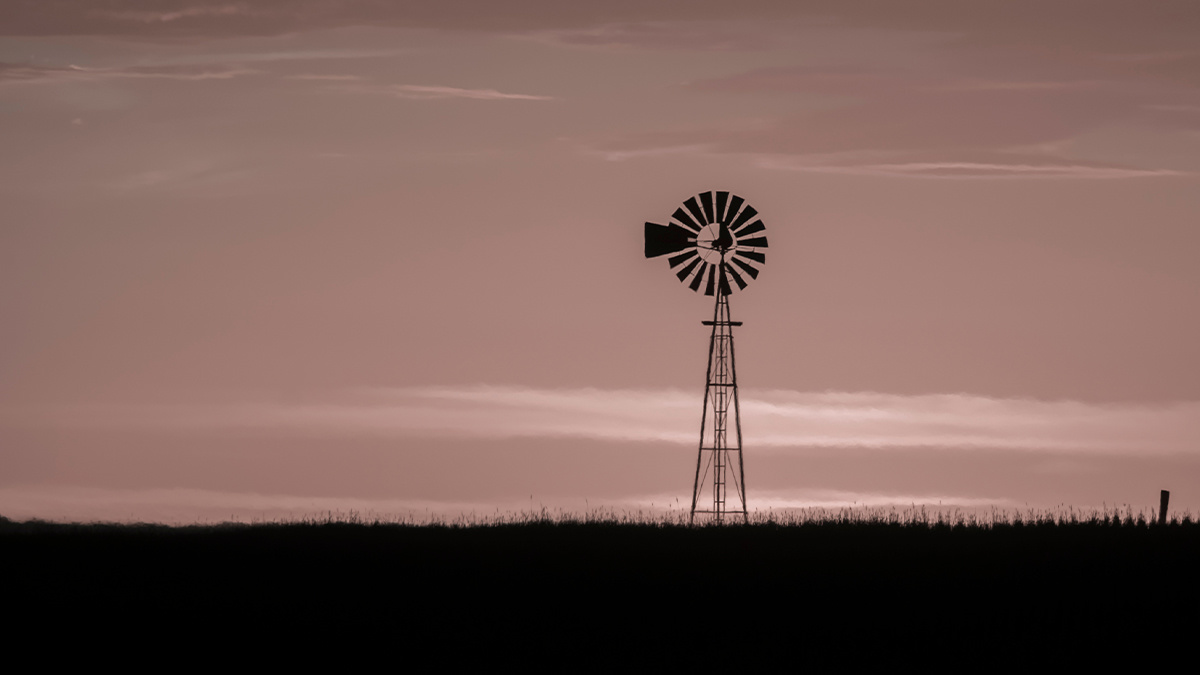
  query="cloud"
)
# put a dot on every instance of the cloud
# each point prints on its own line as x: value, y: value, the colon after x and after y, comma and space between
x: 412, y: 91
x: 271, y: 56
x: 189, y: 506
x: 725, y: 35
x: 185, y: 12
x: 193, y: 173
x: 12, y: 74
x: 770, y: 419
x: 217, y: 18
x: 936, y: 122
x: 19, y: 74
x: 623, y: 155
x: 326, y: 78
x: 977, y: 170
x: 957, y: 165
x: 885, y: 109
x: 1164, y: 27
x: 819, y: 499
x: 964, y: 169
x: 66, y: 503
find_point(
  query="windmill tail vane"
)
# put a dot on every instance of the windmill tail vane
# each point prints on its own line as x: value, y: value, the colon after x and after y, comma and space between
x: 712, y: 239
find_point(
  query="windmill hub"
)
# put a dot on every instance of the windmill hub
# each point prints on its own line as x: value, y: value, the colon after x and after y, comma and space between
x: 713, y: 238
x: 713, y: 241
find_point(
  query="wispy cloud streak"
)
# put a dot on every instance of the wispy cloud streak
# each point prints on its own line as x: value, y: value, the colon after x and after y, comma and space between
x: 770, y: 419
x: 965, y: 170
x: 18, y: 74
x: 182, y: 13
x: 271, y: 56
x: 326, y: 78
x: 820, y: 498
x: 191, y: 505
x: 421, y: 92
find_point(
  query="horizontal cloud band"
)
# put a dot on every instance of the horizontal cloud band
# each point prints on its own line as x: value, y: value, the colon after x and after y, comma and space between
x: 770, y: 419
x: 190, y: 505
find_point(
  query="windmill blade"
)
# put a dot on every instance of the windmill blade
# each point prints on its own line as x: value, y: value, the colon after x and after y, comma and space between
x: 664, y: 239
x: 756, y: 257
x: 677, y: 260
x: 695, y: 210
x: 756, y: 242
x: 756, y: 226
x: 746, y: 214
x: 723, y: 285
x: 707, y: 203
x: 683, y: 273
x: 722, y: 200
x: 737, y: 278
x: 684, y: 218
x: 712, y: 278
x: 735, y: 203
x: 695, y: 285
x: 749, y: 269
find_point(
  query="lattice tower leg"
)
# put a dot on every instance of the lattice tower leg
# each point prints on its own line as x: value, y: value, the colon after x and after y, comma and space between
x: 719, y: 458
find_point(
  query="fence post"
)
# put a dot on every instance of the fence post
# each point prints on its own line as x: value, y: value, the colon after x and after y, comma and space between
x: 1163, y: 497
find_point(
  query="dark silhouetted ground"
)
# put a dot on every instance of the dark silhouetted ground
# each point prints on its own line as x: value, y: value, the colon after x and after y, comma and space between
x: 603, y: 594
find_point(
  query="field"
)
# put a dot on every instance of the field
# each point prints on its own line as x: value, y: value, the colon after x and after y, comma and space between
x: 855, y: 586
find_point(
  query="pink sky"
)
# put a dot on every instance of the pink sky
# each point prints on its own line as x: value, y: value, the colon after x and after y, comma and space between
x: 274, y: 258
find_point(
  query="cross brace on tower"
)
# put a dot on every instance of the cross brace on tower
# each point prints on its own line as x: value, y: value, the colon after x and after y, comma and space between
x: 716, y: 457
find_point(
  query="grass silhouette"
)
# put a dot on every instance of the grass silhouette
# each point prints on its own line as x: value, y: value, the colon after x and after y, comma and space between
x: 821, y: 578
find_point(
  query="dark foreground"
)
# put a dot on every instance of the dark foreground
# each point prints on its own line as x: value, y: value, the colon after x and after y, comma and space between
x: 595, y: 595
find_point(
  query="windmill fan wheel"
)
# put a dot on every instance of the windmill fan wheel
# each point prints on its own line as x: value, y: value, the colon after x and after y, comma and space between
x: 714, y: 237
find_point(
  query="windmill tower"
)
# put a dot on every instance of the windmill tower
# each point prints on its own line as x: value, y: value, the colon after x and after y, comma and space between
x: 713, y: 238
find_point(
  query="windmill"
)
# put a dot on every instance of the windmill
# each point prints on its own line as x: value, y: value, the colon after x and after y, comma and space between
x: 715, y: 237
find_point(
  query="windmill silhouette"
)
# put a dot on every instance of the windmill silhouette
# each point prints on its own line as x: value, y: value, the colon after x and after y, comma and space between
x: 713, y: 238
